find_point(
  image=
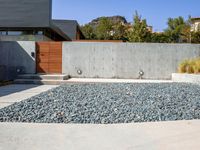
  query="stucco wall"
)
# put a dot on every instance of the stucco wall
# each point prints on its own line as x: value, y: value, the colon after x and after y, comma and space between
x: 15, y: 55
x: 125, y: 60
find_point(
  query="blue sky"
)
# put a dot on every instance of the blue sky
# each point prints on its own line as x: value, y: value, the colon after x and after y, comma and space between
x: 155, y: 11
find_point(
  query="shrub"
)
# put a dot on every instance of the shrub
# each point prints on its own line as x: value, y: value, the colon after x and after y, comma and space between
x: 182, y: 66
x: 190, y: 66
x: 196, y: 66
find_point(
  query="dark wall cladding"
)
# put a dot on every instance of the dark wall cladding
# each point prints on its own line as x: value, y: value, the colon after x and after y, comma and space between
x: 69, y: 27
x: 25, y: 13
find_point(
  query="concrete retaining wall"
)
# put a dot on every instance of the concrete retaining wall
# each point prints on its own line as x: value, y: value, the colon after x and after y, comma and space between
x: 125, y: 60
x: 15, y: 58
x: 103, y: 60
x: 188, y: 78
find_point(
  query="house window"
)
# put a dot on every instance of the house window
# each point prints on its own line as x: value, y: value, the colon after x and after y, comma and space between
x: 40, y: 33
x: 3, y: 33
x: 26, y: 32
x: 14, y: 33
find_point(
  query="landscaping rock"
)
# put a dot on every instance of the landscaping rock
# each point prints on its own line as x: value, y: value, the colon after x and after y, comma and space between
x: 108, y: 103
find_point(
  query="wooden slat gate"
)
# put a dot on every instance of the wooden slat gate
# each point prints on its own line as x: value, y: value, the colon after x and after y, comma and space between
x: 49, y: 57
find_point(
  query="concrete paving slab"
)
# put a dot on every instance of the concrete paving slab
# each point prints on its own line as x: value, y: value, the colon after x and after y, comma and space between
x: 17, y: 92
x: 182, y: 135
x: 97, y: 80
x: 2, y: 105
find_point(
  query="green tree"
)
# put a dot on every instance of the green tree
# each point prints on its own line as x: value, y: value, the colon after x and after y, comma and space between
x: 195, y: 37
x: 160, y: 38
x: 104, y: 30
x: 119, y: 31
x: 139, y: 31
x: 88, y: 32
x: 178, y: 30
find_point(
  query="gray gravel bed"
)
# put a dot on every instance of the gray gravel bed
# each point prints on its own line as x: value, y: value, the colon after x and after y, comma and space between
x: 108, y: 103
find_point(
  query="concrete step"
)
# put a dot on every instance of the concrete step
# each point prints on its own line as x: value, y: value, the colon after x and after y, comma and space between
x: 43, y: 77
x: 38, y: 81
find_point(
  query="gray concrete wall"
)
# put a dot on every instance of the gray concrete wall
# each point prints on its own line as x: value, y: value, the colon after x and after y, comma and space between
x: 125, y: 60
x: 25, y: 13
x: 16, y: 55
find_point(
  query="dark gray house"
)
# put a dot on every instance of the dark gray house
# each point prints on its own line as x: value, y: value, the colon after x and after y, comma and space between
x: 31, y: 20
x: 70, y: 28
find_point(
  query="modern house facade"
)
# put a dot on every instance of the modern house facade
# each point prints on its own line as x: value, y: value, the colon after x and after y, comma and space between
x: 31, y: 20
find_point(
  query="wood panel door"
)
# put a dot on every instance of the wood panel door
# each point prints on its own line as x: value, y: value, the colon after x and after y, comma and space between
x: 49, y: 57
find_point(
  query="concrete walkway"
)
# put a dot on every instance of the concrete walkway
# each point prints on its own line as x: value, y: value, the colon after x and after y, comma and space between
x: 97, y: 80
x: 180, y: 135
x: 17, y: 92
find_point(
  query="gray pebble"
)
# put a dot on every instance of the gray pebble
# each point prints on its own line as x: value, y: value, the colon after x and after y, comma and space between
x: 108, y: 103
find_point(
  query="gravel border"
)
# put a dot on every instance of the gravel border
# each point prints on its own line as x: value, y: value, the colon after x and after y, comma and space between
x: 108, y: 103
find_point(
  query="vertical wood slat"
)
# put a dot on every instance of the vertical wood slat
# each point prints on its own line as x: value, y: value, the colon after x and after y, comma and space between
x: 49, y: 57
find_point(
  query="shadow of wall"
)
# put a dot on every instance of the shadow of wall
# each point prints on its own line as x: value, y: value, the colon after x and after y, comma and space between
x: 16, y: 58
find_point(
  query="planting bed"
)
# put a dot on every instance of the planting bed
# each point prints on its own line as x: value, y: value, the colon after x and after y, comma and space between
x: 108, y: 103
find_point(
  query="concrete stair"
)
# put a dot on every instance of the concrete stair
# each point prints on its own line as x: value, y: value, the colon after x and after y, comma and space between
x: 54, y: 79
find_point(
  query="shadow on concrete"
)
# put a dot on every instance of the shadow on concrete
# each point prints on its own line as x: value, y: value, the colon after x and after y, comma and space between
x: 16, y: 58
x: 15, y: 88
